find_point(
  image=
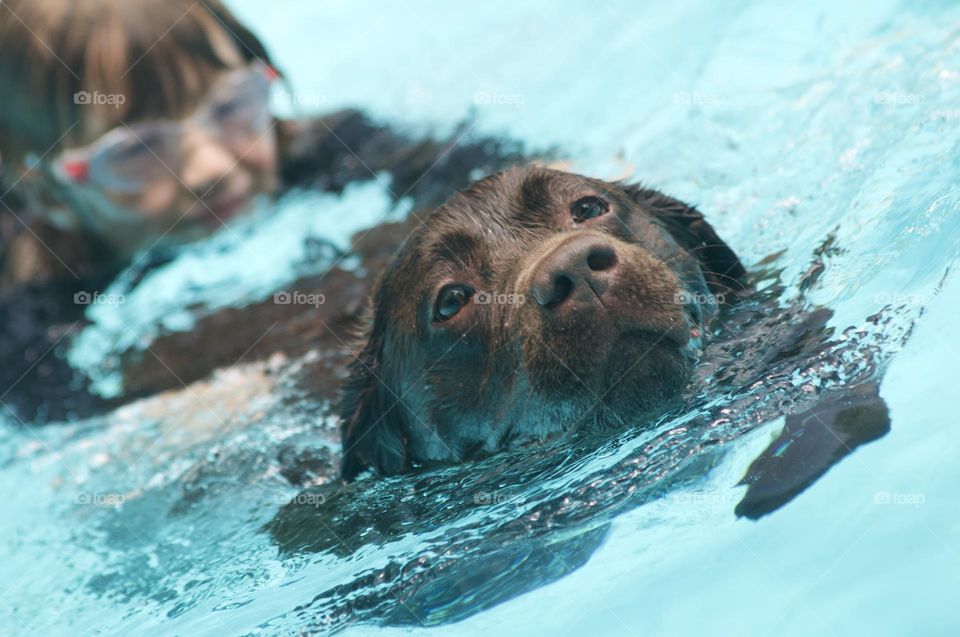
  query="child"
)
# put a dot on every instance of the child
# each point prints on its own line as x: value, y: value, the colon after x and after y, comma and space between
x: 128, y: 124
x: 117, y: 137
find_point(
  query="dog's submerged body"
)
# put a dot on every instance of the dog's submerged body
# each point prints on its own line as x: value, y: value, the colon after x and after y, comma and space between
x: 533, y: 303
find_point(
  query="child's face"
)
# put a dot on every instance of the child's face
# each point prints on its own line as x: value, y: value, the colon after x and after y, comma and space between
x: 146, y: 182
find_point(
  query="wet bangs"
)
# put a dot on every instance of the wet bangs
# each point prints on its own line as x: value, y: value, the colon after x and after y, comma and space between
x: 145, y: 75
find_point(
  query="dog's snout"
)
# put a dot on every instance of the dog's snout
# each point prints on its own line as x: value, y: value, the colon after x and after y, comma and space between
x: 581, y: 269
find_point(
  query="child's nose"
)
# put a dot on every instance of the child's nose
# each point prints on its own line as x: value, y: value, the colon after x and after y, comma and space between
x: 206, y: 162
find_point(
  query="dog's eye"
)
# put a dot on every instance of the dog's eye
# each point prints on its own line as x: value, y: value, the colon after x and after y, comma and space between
x: 451, y: 300
x: 588, y: 208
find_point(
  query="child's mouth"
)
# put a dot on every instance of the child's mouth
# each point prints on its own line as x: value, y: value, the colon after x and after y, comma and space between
x: 225, y: 207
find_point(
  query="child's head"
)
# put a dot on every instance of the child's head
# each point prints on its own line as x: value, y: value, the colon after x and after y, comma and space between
x: 134, y: 120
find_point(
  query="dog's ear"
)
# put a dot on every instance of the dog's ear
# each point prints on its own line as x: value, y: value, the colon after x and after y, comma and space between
x: 372, y: 419
x: 721, y: 267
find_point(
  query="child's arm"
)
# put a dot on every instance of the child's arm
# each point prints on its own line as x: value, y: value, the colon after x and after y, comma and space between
x: 37, y: 382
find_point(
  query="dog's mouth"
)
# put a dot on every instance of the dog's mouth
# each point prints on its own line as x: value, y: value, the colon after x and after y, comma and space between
x: 682, y: 330
x: 680, y: 338
x: 635, y: 360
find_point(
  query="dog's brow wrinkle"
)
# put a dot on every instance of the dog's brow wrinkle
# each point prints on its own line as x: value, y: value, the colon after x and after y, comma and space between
x: 456, y: 247
x: 535, y: 193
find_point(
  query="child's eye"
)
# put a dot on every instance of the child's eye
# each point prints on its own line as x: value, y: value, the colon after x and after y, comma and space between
x: 135, y: 148
x: 227, y: 109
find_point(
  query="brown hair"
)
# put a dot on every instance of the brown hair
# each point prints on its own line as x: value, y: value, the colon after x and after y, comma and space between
x: 159, y: 55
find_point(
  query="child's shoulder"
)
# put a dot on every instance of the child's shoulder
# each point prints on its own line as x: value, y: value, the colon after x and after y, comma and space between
x: 330, y: 151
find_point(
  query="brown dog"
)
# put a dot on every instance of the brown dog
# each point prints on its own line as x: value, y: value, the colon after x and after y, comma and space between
x: 533, y: 303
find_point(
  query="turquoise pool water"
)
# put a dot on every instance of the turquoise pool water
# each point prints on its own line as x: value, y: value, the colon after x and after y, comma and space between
x: 786, y: 125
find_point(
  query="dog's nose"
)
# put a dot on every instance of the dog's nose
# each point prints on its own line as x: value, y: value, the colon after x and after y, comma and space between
x: 577, y: 270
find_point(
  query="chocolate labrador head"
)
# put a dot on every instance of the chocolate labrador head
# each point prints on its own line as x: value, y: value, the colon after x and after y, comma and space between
x: 533, y: 303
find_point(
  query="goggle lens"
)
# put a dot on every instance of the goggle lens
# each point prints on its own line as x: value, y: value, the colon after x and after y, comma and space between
x: 126, y: 159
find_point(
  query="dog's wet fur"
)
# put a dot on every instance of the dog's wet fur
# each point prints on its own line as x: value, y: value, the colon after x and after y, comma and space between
x: 533, y: 303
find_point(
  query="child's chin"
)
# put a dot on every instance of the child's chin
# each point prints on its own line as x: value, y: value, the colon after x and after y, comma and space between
x: 209, y: 215
x: 222, y: 209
